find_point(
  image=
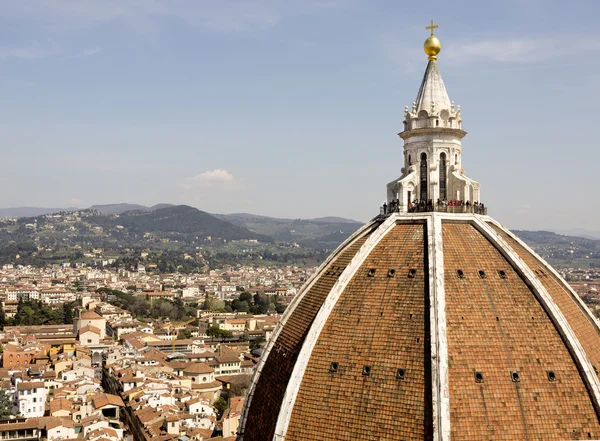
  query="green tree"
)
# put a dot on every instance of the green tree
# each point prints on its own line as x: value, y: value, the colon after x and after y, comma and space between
x: 68, y: 313
x: 240, y: 306
x: 6, y: 406
x: 245, y: 297
x: 216, y: 332
x: 257, y: 342
x: 221, y: 406
x: 213, y: 304
x: 2, y: 317
x: 184, y: 334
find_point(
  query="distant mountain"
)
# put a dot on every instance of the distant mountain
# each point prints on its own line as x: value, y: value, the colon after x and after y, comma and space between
x: 179, y: 236
x: 550, y: 238
x: 333, y: 219
x: 184, y: 220
x: 563, y: 251
x: 122, y: 208
x: 17, y: 212
x: 580, y: 232
x: 320, y: 233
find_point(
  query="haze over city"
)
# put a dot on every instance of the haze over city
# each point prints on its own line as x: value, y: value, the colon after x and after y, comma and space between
x: 291, y: 109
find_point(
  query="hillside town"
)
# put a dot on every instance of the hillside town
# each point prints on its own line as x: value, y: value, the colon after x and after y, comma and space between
x: 107, y: 372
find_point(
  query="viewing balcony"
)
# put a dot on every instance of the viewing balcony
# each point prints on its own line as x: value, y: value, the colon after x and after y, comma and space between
x: 386, y: 209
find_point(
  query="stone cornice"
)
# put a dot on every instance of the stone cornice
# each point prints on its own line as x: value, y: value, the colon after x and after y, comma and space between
x: 458, y: 133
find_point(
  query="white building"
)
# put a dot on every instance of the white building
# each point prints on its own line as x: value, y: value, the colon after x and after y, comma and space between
x: 190, y: 291
x: 30, y: 398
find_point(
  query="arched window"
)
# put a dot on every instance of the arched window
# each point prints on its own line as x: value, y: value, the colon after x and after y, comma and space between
x: 455, y: 159
x: 424, y: 172
x: 443, y: 177
x: 409, y: 161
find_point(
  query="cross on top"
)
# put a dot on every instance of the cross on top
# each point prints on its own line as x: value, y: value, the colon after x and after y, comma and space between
x: 431, y: 27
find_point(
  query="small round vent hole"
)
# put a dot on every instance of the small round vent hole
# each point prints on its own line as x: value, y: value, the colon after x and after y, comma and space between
x: 400, y: 373
x: 333, y: 367
x: 551, y: 376
x: 478, y: 377
x: 515, y: 377
x: 366, y: 370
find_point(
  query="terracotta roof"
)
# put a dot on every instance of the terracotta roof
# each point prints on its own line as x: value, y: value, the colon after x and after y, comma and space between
x: 59, y: 422
x: 89, y: 328
x: 91, y: 315
x: 27, y: 385
x: 59, y: 404
x: 178, y: 365
x: 198, y: 368
x: 101, y: 400
x: 206, y: 386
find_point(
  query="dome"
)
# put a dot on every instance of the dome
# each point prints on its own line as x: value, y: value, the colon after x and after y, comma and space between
x: 430, y: 322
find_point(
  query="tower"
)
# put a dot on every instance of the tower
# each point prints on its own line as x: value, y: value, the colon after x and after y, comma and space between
x: 432, y: 136
x: 430, y: 324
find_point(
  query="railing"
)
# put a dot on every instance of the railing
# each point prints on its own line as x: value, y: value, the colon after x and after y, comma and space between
x: 441, y: 208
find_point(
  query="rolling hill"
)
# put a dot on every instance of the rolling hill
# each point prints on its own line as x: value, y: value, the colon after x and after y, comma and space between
x: 321, y: 233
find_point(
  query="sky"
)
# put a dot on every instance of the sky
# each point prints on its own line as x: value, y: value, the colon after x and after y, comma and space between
x: 291, y: 108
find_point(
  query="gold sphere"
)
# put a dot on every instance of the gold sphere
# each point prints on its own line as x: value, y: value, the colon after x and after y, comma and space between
x: 432, y: 47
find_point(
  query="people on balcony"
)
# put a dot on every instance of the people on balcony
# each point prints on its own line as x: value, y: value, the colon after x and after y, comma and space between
x: 442, y: 205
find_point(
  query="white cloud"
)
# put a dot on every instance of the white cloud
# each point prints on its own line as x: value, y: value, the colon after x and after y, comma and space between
x: 214, y: 177
x: 29, y: 52
x: 90, y: 52
x: 216, y: 15
x: 525, y: 50
x: 510, y: 50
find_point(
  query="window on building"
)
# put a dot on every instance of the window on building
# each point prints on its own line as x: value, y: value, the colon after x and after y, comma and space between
x: 443, y: 177
x: 423, y: 178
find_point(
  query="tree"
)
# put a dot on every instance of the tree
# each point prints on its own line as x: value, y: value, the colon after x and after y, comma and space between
x: 6, y: 405
x: 257, y: 342
x: 68, y: 313
x: 216, y: 332
x: 184, y: 334
x: 213, y: 304
x: 245, y: 297
x: 2, y: 317
x: 221, y: 406
x: 240, y: 306
x: 261, y: 303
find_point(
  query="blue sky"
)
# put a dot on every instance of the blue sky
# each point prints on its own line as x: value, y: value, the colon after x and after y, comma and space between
x: 291, y: 108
